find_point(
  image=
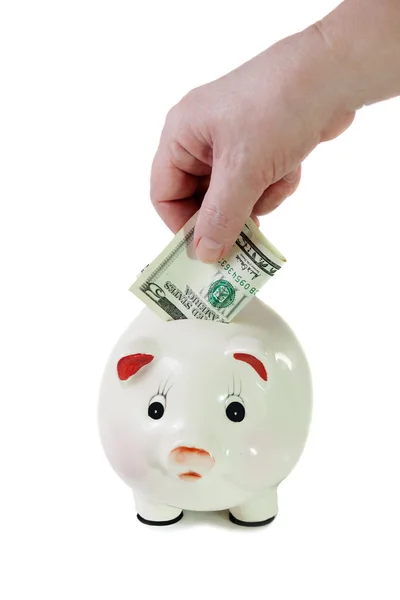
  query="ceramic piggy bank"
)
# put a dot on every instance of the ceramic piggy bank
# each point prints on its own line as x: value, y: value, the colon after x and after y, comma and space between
x: 206, y: 416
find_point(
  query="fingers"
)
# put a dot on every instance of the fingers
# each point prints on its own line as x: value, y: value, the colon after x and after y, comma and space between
x: 178, y: 184
x: 277, y: 193
x: 226, y: 207
x: 183, y: 160
x: 179, y: 177
x: 182, y: 183
x: 172, y: 191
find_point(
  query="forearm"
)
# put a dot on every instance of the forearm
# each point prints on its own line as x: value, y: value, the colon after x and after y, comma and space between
x: 364, y: 37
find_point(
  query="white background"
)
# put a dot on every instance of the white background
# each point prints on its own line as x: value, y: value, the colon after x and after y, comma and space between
x: 85, y: 86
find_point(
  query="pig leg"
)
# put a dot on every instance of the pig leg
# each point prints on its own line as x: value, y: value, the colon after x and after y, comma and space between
x: 151, y: 513
x: 260, y: 510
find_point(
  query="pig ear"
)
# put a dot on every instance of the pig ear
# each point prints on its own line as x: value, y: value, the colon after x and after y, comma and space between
x: 134, y: 355
x: 129, y: 365
x: 250, y: 351
x: 254, y: 362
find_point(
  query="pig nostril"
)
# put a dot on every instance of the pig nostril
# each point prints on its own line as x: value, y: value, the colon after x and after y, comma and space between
x: 194, y: 456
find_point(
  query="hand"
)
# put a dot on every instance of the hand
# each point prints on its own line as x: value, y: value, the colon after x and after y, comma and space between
x: 234, y: 147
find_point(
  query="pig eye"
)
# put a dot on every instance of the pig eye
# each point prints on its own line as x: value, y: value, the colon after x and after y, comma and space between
x: 156, y: 407
x: 235, y: 411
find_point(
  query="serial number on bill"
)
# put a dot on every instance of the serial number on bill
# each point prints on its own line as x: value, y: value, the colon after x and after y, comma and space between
x: 238, y: 278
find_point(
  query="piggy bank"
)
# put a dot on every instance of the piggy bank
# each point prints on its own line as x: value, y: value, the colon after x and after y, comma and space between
x: 204, y: 416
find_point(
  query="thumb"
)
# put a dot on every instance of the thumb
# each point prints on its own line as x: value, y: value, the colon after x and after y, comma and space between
x: 226, y: 207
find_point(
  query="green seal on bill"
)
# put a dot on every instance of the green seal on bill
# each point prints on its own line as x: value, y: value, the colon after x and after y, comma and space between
x: 221, y: 294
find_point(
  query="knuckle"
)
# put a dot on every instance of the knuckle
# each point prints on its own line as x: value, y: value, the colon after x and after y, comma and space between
x: 173, y: 116
x: 236, y: 160
x: 216, y: 218
x: 175, y: 150
x: 181, y: 109
x: 190, y: 96
x: 243, y: 165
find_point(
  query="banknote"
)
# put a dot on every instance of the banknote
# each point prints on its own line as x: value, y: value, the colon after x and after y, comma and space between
x: 176, y: 285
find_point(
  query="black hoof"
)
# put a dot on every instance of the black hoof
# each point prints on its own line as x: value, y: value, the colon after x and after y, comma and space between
x: 250, y: 523
x: 160, y: 523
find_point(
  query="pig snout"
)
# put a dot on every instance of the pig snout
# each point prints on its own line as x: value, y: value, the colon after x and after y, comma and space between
x: 191, y: 463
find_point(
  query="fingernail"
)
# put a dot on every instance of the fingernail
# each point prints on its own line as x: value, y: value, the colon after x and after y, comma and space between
x: 209, y: 250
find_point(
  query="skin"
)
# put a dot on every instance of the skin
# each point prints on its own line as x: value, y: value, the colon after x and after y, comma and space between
x: 233, y: 148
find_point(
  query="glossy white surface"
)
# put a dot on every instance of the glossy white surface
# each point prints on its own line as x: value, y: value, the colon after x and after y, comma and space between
x: 195, y: 456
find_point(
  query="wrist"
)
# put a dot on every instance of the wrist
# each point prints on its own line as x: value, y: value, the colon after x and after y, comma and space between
x: 331, y: 78
x: 318, y: 85
x: 363, y: 40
